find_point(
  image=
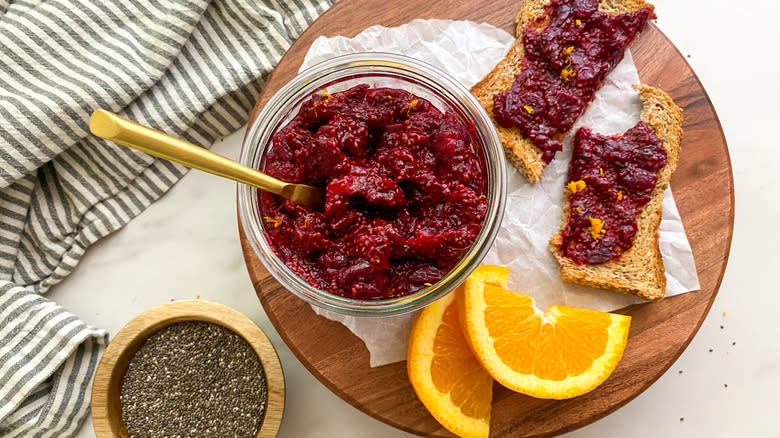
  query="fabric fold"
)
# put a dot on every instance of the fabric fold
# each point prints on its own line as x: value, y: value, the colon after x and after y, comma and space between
x: 37, y: 342
x: 64, y: 58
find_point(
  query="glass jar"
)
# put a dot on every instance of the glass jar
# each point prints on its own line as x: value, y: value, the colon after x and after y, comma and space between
x: 378, y: 70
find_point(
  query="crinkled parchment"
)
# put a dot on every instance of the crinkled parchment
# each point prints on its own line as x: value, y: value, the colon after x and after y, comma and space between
x: 468, y: 51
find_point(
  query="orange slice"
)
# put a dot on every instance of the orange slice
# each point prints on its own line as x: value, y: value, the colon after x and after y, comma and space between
x: 559, y: 354
x: 444, y: 373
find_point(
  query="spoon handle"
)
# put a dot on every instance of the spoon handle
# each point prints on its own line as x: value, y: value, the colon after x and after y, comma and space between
x: 112, y: 127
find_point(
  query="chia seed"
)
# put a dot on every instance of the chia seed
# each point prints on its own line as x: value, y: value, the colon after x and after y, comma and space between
x: 194, y: 379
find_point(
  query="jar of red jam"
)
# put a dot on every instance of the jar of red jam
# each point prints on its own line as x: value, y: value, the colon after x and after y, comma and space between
x: 415, y: 176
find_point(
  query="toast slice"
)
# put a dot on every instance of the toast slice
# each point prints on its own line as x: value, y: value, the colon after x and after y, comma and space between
x: 640, y: 270
x: 519, y: 150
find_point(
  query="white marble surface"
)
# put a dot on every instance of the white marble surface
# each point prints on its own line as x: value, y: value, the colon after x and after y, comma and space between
x: 187, y: 245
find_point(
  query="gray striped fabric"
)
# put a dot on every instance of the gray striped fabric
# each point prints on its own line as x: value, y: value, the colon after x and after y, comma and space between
x: 192, y: 68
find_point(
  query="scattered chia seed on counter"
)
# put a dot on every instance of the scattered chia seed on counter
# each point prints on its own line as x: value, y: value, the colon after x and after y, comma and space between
x: 194, y: 379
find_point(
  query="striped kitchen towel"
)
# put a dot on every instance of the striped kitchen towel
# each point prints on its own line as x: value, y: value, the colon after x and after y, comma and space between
x: 191, y: 68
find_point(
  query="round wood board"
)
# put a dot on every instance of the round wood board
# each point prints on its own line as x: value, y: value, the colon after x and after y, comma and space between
x: 703, y: 189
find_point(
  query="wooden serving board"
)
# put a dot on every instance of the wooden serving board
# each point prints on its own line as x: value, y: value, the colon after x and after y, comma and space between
x: 703, y: 188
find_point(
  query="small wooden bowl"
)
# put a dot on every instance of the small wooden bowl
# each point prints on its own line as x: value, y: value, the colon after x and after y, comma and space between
x: 107, y: 385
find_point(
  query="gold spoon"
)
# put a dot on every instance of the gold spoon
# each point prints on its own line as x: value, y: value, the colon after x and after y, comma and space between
x: 112, y: 127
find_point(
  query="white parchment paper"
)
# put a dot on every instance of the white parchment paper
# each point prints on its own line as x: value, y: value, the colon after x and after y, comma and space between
x: 468, y: 51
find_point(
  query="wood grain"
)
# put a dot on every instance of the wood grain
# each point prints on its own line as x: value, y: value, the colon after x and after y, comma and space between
x: 703, y: 189
x: 107, y: 384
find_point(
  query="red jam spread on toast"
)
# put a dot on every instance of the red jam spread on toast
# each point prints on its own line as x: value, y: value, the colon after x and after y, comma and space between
x: 569, y: 51
x: 405, y: 192
x: 610, y: 179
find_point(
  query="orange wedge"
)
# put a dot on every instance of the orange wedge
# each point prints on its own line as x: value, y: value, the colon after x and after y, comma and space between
x: 559, y: 354
x: 444, y: 373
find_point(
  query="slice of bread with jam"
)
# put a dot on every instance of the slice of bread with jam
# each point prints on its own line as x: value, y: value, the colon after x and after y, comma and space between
x: 520, y: 150
x: 638, y: 270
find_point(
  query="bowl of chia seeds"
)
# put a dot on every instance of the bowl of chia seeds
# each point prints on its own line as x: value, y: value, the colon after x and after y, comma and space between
x: 188, y: 368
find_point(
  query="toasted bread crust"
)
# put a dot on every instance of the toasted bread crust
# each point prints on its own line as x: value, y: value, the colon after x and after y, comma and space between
x: 519, y: 150
x: 640, y: 270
